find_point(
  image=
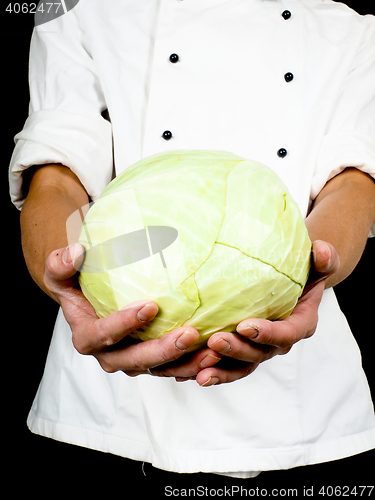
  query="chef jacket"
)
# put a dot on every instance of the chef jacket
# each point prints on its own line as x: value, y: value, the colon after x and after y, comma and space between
x: 289, y: 83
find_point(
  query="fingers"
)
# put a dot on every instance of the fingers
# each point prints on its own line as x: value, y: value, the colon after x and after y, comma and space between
x: 137, y: 358
x: 91, y: 335
x: 241, y: 357
x: 94, y: 336
x: 326, y: 262
x: 61, y: 266
x: 325, y: 257
x: 258, y: 340
x: 108, y: 338
x: 99, y: 337
x: 63, y: 263
x: 188, y: 369
x: 301, y: 324
x: 223, y: 374
x: 239, y: 347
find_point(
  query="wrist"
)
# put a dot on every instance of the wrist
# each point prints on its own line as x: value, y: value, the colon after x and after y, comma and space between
x: 54, y: 194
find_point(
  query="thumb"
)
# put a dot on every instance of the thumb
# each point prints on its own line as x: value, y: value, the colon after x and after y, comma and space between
x: 325, y: 262
x: 325, y: 257
x: 63, y: 263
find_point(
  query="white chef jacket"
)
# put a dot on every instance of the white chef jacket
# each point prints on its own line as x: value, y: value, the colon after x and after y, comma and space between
x: 289, y: 83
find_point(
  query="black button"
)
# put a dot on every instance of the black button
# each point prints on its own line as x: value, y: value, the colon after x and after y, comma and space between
x: 286, y: 14
x: 282, y: 153
x: 167, y: 135
x: 173, y: 58
x: 288, y: 77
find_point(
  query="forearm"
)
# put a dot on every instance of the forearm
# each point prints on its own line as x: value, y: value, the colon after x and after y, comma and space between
x: 54, y: 194
x: 342, y: 215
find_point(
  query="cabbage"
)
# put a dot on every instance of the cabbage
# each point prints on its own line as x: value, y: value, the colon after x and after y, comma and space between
x: 209, y: 236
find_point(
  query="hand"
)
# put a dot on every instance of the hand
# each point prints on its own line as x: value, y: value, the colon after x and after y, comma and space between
x: 107, y: 338
x: 258, y: 340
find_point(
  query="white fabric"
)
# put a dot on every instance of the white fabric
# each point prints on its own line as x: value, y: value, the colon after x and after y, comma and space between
x: 227, y: 91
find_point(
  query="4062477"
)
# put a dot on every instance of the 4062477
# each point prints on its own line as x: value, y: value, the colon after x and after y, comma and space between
x: 44, y: 12
x: 33, y: 7
x: 346, y: 491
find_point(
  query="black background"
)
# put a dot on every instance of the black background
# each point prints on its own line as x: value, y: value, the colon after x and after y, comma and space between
x: 34, y: 462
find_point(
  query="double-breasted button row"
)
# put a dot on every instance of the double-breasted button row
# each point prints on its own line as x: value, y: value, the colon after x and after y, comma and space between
x: 288, y: 77
x: 167, y: 134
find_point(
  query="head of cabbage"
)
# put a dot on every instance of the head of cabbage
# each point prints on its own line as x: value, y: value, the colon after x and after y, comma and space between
x: 211, y: 237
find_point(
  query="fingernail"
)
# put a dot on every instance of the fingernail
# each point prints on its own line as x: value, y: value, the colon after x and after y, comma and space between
x: 210, y: 381
x: 71, y: 253
x: 329, y: 254
x: 209, y: 360
x: 147, y: 312
x: 221, y: 345
x: 187, y: 339
x: 251, y: 331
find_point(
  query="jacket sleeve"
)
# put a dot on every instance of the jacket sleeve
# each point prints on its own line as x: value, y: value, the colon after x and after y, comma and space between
x: 65, y: 123
x: 350, y: 136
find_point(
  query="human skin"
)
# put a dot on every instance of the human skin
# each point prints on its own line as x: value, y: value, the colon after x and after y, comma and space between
x: 338, y: 225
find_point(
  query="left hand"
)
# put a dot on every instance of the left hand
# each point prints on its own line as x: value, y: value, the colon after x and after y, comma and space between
x: 231, y: 356
x: 258, y: 340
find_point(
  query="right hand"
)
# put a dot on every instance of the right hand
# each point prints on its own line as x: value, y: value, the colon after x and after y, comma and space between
x: 98, y: 337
